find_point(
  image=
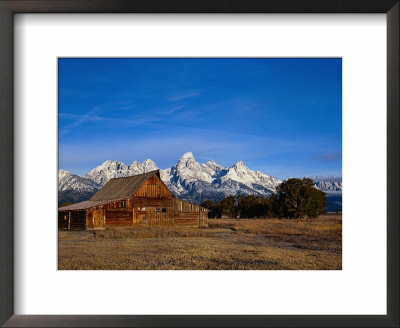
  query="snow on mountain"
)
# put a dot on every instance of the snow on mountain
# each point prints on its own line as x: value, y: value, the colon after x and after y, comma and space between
x: 188, y: 179
x: 114, y: 169
x: 69, y: 181
x: 323, y: 177
x: 106, y: 171
x: 239, y: 172
x: 196, y: 182
x: 74, y: 188
x: 188, y: 170
x: 211, y: 168
x: 328, y: 183
x: 329, y: 186
x: 148, y: 165
x: 62, y: 174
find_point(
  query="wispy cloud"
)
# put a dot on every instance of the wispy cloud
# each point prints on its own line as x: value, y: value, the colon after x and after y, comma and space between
x: 79, y: 119
x: 174, y: 109
x: 126, y: 105
x: 92, y: 117
x: 255, y: 110
x: 329, y: 157
x: 184, y: 95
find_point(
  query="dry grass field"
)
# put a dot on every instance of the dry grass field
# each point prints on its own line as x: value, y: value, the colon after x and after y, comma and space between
x: 227, y: 244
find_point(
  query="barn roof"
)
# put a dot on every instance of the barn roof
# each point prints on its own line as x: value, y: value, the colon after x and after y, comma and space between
x: 119, y: 188
x: 82, y: 205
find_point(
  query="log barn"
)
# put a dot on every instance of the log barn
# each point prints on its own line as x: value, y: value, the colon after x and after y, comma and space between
x: 141, y: 199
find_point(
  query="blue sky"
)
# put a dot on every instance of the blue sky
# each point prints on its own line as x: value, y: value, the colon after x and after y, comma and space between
x: 279, y: 116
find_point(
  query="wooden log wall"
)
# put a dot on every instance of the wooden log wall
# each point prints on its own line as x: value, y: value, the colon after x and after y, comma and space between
x: 153, y: 187
x: 181, y: 205
x: 186, y: 213
x: 152, y: 204
x: 95, y: 218
x: 203, y: 218
x: 119, y: 204
x: 119, y: 216
x: 155, y: 216
x: 112, y: 213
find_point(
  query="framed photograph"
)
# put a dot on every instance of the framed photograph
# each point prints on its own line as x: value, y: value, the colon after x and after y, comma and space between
x: 179, y: 111
x: 218, y: 164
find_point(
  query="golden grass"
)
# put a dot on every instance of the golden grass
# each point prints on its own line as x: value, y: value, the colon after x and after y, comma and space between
x: 227, y: 244
x: 148, y: 232
x: 322, y: 233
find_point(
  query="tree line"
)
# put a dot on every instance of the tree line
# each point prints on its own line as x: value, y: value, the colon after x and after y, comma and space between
x: 294, y: 198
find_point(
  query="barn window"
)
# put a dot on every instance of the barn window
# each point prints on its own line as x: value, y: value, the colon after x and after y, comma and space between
x: 157, y: 210
x: 123, y: 204
x: 164, y: 210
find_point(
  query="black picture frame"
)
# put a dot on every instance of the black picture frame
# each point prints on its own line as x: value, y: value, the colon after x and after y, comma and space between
x: 10, y: 7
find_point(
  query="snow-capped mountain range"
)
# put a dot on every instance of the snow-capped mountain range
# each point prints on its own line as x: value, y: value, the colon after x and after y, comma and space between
x: 328, y: 182
x: 187, y: 179
x: 74, y: 188
x: 69, y: 181
x: 196, y: 182
x: 114, y: 169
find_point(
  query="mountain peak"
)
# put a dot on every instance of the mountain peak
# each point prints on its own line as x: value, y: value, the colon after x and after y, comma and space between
x: 239, y: 164
x: 187, y: 156
x: 63, y: 171
x: 187, y: 179
x: 110, y: 162
x: 149, y: 165
x: 212, y: 163
x: 135, y: 163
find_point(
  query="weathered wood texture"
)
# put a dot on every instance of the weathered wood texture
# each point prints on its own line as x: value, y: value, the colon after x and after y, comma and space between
x: 154, y: 216
x: 119, y: 217
x: 151, y: 204
x: 97, y: 219
x: 203, y: 221
x: 153, y: 187
x: 186, y: 213
x: 152, y: 201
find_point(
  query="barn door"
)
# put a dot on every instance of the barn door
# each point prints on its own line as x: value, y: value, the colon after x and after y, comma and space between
x: 142, y: 216
x: 99, y: 219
